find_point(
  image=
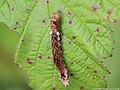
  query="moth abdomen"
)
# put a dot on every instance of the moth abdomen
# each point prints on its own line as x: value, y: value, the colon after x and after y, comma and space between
x: 56, y: 48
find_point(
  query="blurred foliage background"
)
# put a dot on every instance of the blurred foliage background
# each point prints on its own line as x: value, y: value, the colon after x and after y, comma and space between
x: 13, y: 78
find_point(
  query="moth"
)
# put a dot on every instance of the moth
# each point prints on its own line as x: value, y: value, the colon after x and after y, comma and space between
x: 56, y: 48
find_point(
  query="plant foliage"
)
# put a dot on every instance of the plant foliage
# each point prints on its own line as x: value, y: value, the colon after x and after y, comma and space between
x: 86, y: 40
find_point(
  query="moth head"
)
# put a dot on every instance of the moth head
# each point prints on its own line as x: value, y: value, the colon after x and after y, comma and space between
x: 55, y: 17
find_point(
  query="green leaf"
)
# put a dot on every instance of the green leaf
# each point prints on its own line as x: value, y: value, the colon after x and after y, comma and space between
x: 86, y: 40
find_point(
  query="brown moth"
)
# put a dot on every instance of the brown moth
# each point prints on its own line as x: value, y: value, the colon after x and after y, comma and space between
x: 56, y: 49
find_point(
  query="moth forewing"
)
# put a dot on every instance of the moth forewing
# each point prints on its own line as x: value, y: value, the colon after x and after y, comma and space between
x: 56, y: 48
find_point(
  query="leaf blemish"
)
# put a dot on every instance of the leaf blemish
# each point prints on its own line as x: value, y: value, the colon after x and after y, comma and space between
x: 36, y: 1
x: 60, y: 11
x: 70, y: 42
x: 13, y: 9
x: 97, y: 29
x: 110, y: 55
x: 104, y: 76
x: 88, y: 67
x: 73, y: 37
x: 28, y: 9
x: 69, y: 13
x: 17, y: 23
x: 71, y: 62
x: 109, y: 11
x: 115, y: 21
x: 109, y: 72
x: 81, y: 88
x: 40, y: 56
x: 48, y: 57
x: 44, y: 21
x: 100, y: 3
x: 22, y: 41
x: 101, y: 62
x: 14, y: 28
x: 95, y: 8
x: 104, y: 57
x: 70, y: 22
x: 93, y: 78
x: 47, y: 1
x: 17, y: 65
x: 95, y: 71
x: 113, y: 41
x: 71, y: 74
x: 29, y: 61
x: 53, y: 88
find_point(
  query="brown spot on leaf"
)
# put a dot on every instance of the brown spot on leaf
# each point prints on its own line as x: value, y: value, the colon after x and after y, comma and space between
x: 104, y: 76
x: 97, y: 29
x: 108, y: 17
x: 53, y: 88
x: 17, y: 65
x: 69, y: 13
x: 97, y: 40
x: 100, y: 3
x: 36, y: 1
x: 71, y: 74
x: 28, y: 9
x: 93, y: 78
x: 47, y: 1
x: 13, y: 9
x: 95, y: 71
x: 113, y: 48
x: 14, y: 28
x: 70, y: 42
x: 60, y: 11
x: 29, y: 61
x: 88, y: 67
x: 116, y: 20
x: 101, y: 61
x: 17, y: 23
x: 71, y: 62
x: 109, y: 72
x: 22, y: 41
x: 81, y: 88
x: 40, y: 56
x: 73, y: 37
x: 48, y: 57
x: 44, y: 21
x: 109, y: 11
x: 110, y: 55
x: 104, y: 57
x: 95, y: 8
x: 113, y: 41
x: 70, y: 22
